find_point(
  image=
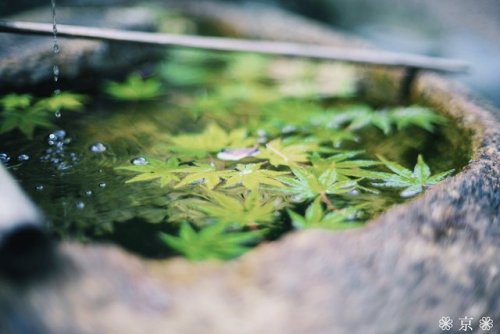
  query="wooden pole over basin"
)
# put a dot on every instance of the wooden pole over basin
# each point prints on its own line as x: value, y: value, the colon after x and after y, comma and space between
x: 350, y: 55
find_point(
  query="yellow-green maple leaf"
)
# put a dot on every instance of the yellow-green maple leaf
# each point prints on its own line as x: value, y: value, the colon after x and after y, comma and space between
x: 212, y: 139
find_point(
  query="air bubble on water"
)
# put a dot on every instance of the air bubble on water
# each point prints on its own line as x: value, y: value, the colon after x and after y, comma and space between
x: 261, y: 133
x: 102, y: 185
x: 23, y: 157
x: 97, y: 148
x: 80, y: 205
x: 4, y: 157
x: 39, y: 187
x: 89, y: 193
x: 288, y: 129
x: 297, y: 199
x: 57, y: 138
x: 139, y: 161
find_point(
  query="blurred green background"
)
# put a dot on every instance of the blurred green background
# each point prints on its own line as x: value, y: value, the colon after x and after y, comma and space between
x: 465, y: 29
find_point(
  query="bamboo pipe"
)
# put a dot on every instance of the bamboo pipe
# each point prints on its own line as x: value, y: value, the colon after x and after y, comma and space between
x: 350, y: 55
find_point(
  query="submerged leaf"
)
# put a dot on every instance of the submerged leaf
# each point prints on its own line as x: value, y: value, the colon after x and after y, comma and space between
x: 15, y: 101
x: 212, y: 139
x: 414, y: 181
x: 134, y: 88
x: 248, y: 211
x: 316, y: 217
x: 417, y: 116
x: 344, y: 165
x: 211, y: 242
x: 62, y: 101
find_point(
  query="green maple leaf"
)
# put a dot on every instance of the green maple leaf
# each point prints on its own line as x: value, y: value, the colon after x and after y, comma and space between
x: 331, y: 135
x: 247, y: 211
x: 286, y: 155
x: 20, y: 113
x: 25, y: 120
x: 414, y: 181
x: 251, y: 176
x: 211, y: 140
x: 134, y: 88
x: 360, y: 116
x: 63, y: 101
x: 155, y: 169
x: 206, y: 173
x: 289, y: 113
x: 307, y: 185
x: 343, y: 166
x: 179, y: 74
x: 316, y: 217
x: 418, y: 116
x: 211, y: 242
x: 246, y: 67
x: 15, y: 101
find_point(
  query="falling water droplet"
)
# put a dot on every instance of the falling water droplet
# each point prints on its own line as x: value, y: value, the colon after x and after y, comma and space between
x: 140, y: 161
x: 56, y: 73
x: 56, y: 50
x: 80, y: 205
x: 98, y: 148
x: 88, y: 193
x: 4, y: 157
x: 23, y: 157
x: 102, y: 185
x: 39, y: 187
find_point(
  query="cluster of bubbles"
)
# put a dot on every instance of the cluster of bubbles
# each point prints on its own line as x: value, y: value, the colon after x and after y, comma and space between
x: 5, y: 158
x: 56, y: 154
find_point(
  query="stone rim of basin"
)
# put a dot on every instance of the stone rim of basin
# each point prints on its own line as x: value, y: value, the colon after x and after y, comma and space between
x: 429, y: 256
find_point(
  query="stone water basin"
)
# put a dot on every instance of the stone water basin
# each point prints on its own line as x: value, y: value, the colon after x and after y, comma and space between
x: 430, y: 256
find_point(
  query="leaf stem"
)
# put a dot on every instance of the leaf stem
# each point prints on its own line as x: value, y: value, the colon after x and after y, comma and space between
x: 327, y: 201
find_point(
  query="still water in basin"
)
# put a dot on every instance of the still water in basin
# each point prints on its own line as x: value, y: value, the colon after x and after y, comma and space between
x: 260, y: 145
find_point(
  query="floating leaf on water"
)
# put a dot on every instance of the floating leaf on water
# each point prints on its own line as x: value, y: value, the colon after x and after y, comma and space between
x: 286, y: 155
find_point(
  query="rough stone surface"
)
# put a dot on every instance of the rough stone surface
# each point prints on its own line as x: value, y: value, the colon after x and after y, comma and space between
x: 27, y: 61
x: 434, y: 256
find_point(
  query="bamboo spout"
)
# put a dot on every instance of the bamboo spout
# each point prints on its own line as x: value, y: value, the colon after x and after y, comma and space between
x: 350, y: 55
